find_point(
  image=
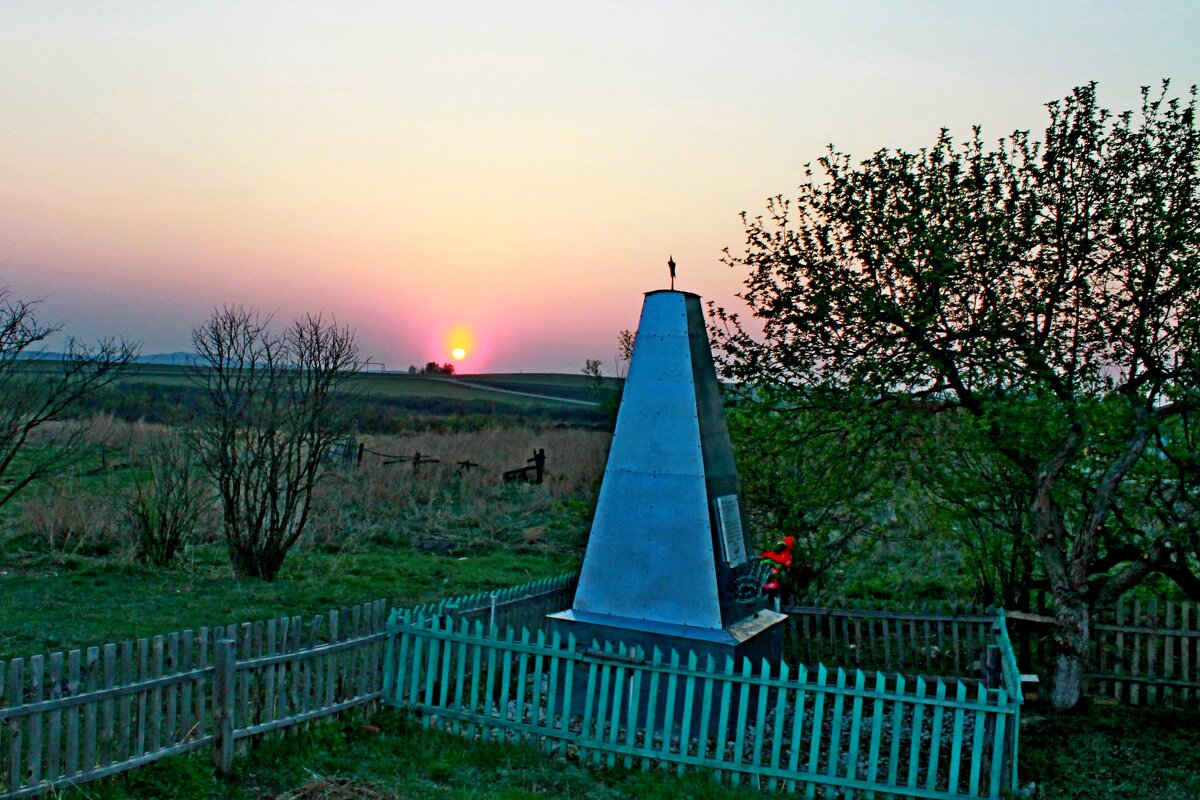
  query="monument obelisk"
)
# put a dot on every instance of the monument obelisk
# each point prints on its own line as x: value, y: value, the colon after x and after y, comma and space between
x: 668, y: 542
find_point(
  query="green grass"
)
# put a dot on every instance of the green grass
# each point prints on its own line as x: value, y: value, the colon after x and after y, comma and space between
x: 52, y: 605
x: 1104, y: 753
x: 1107, y: 752
x: 394, y: 754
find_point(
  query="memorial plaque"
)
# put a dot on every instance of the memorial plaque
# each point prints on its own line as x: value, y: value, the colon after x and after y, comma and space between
x: 729, y: 518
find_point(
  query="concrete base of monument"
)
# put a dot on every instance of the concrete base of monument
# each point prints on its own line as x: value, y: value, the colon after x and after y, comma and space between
x: 758, y: 637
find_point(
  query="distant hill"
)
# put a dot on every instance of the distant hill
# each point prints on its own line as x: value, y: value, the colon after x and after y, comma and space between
x: 155, y: 358
x: 169, y: 358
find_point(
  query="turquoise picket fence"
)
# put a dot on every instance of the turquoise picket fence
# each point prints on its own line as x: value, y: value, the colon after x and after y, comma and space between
x: 824, y: 731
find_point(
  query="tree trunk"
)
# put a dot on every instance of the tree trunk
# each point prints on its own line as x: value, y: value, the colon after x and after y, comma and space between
x: 1071, y: 647
x: 247, y: 563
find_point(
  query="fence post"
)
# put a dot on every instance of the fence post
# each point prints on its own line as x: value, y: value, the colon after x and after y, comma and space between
x: 993, y: 674
x: 223, y: 703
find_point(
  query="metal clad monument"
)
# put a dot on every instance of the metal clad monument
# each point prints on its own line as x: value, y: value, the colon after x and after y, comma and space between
x: 668, y: 542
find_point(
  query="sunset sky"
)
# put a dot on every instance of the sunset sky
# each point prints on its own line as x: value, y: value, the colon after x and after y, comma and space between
x: 507, y: 177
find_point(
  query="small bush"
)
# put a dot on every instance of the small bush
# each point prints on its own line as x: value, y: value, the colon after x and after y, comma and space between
x: 164, y: 508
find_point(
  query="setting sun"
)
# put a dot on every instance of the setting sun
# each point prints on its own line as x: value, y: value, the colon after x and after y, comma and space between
x: 458, y: 353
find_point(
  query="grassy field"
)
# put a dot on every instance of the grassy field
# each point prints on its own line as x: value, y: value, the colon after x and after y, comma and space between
x: 401, y: 384
x: 68, y: 577
x: 380, y: 402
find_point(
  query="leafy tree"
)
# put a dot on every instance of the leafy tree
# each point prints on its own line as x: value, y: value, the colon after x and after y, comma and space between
x: 984, y: 507
x: 274, y: 404
x: 37, y: 395
x: 1047, y: 292
x: 609, y: 393
x: 827, y: 480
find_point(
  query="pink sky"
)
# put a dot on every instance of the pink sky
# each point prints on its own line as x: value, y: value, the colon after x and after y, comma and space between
x: 520, y: 171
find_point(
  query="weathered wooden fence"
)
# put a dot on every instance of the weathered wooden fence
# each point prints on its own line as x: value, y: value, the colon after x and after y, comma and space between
x: 943, y: 641
x: 1142, y: 653
x: 77, y: 716
x: 830, y: 732
x: 1147, y: 654
x: 847, y: 722
x: 524, y: 606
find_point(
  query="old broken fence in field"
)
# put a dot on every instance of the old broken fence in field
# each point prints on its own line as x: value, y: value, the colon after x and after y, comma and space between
x: 349, y: 452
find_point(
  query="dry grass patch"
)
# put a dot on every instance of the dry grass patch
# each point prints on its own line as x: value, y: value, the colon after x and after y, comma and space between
x: 337, y: 789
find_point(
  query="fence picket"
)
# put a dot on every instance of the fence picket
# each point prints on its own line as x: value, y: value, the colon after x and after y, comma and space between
x: 860, y: 683
x: 685, y: 723
x: 188, y: 718
x: 1169, y: 654
x: 89, y: 710
x: 476, y: 652
x: 634, y: 707
x: 669, y: 712
x: 887, y: 644
x: 835, y: 735
x: 960, y: 698
x: 156, y: 696
x: 53, y: 766
x: 781, y: 698
x: 1135, y: 692
x: 977, y: 743
x: 935, y: 740
x: 652, y: 695
x: 815, y: 735
x: 505, y: 681
x: 739, y: 741
x: 1152, y: 642
x: 329, y: 663
x: 1118, y: 685
x: 125, y: 709
x: 877, y: 709
x: 896, y: 729
x: 143, y: 673
x: 34, y: 753
x: 16, y: 696
x: 797, y: 726
x: 74, y: 687
x: 522, y: 675
x: 585, y: 727
x: 1186, y: 654
x: 998, y: 750
x: 914, y: 750
x: 460, y: 675
x: 726, y: 695
x: 618, y: 692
